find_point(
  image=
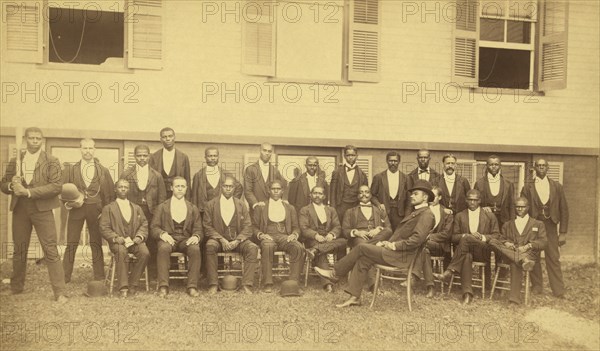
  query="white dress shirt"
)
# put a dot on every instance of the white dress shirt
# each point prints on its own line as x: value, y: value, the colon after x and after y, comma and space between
x: 494, y: 183
x: 350, y: 173
x: 542, y: 187
x: 142, y: 176
x: 393, y: 183
x: 423, y: 175
x: 264, y: 170
x: 178, y: 209
x: 320, y: 210
x: 437, y: 213
x: 312, y: 181
x: 213, y: 175
x: 168, y: 157
x: 276, y: 211
x: 227, y: 209
x: 125, y: 208
x: 520, y: 223
x: 88, y: 171
x: 450, y: 180
x: 367, y: 210
x: 474, y: 220
x: 28, y: 165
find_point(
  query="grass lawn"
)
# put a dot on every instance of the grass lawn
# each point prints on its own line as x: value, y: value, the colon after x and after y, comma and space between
x: 234, y: 321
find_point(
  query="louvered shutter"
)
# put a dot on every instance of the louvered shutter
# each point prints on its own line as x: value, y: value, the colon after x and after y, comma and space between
x: 259, y: 38
x: 552, y: 45
x: 364, y: 41
x: 465, y: 43
x: 144, y: 34
x: 366, y: 165
x: 129, y: 157
x: 22, y: 31
x: 555, y: 171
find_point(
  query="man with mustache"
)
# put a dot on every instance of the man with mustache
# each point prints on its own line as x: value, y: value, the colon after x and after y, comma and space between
x: 454, y: 187
x: 389, y: 189
x: 423, y: 171
x: 169, y: 161
x: 363, y: 222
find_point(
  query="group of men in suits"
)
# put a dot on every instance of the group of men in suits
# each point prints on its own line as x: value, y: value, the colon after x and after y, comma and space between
x: 154, y: 210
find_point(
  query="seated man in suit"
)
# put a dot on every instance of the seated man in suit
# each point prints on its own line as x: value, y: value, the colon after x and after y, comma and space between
x: 124, y: 226
x: 520, y: 243
x: 177, y: 227
x: 228, y: 228
x: 321, y: 231
x: 473, y: 231
x: 397, y: 249
x: 276, y: 227
x: 364, y: 221
x: 439, y: 239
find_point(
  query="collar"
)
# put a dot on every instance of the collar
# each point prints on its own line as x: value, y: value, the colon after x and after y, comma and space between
x: 523, y: 219
x: 541, y: 180
x: 476, y: 211
x: 275, y: 201
x: 212, y: 169
x: 450, y: 177
x: 35, y: 154
x: 392, y: 173
x: 224, y: 199
x: 138, y: 167
x: 320, y: 206
x: 434, y: 207
x: 122, y: 201
x: 421, y: 170
x: 84, y: 162
x: 491, y: 178
x: 368, y: 204
x: 348, y: 166
x: 423, y: 205
x: 262, y: 164
x: 178, y: 201
x: 165, y: 150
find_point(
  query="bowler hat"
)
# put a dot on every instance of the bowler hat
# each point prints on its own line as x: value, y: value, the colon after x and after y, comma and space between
x: 71, y: 195
x: 423, y: 185
x: 95, y: 288
x: 229, y: 282
x: 290, y: 288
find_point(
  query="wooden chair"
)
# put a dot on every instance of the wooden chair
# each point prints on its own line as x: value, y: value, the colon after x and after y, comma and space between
x: 478, y: 280
x: 438, y: 267
x: 177, y: 270
x: 281, y: 265
x: 230, y: 260
x: 505, y: 283
x: 112, y: 267
x: 392, y: 273
x: 308, y: 267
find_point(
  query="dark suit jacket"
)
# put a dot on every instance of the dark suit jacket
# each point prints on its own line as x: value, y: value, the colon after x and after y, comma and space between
x: 309, y: 222
x: 45, y: 185
x: 155, y: 190
x: 458, y: 196
x: 442, y: 233
x: 163, y: 222
x: 261, y: 219
x: 181, y: 165
x: 488, y: 225
x: 255, y: 188
x: 350, y: 221
x: 411, y: 233
x: 199, y: 196
x: 111, y: 224
x: 558, y: 209
x: 413, y: 176
x: 534, y: 234
x: 213, y: 222
x: 507, y: 204
x: 102, y: 177
x: 337, y: 183
x: 299, y: 193
x: 381, y: 193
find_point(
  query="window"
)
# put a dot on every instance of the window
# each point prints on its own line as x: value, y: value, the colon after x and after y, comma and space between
x: 312, y: 41
x: 125, y: 34
x: 511, y: 44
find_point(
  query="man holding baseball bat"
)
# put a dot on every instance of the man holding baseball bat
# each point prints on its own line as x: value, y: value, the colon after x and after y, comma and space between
x: 34, y: 181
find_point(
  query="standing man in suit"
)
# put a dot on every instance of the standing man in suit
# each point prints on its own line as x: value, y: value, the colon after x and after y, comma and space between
x: 300, y: 188
x: 423, y: 171
x: 276, y: 228
x: 228, y: 227
x: 473, y: 231
x: 169, y: 161
x: 125, y: 228
x: 520, y: 243
x: 345, y: 181
x: 365, y: 221
x: 497, y: 192
x: 258, y: 175
x: 96, y: 184
x: 177, y: 227
x: 454, y: 187
x: 208, y: 181
x: 34, y: 194
x: 397, y: 249
x: 548, y: 204
x: 389, y: 189
x: 321, y: 231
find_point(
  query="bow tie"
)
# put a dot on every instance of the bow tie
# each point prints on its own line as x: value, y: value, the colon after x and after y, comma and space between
x: 423, y: 171
x: 348, y: 169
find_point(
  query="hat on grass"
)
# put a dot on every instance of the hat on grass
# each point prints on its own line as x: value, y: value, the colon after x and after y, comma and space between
x: 96, y: 288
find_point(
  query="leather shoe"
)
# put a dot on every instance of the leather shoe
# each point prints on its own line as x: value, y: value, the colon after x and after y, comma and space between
x: 444, y: 277
x: 193, y: 292
x: 247, y: 289
x: 212, y: 290
x: 429, y: 292
x: 163, y: 291
x: 124, y: 293
x: 327, y: 274
x: 328, y: 288
x: 467, y: 298
x: 311, y: 253
x: 268, y: 289
x: 352, y: 301
x: 528, y: 264
x: 62, y: 299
